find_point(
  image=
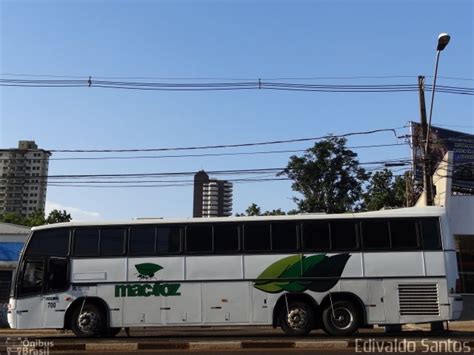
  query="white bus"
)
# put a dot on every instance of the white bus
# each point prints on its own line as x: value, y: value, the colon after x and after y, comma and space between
x: 337, y: 272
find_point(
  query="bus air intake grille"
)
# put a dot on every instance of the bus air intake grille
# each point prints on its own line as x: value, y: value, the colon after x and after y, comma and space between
x: 418, y: 299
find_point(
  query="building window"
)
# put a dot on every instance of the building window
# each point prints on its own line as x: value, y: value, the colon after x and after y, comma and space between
x: 465, y: 256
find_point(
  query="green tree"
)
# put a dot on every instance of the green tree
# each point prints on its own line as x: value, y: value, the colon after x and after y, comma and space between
x: 14, y: 218
x: 274, y: 212
x: 56, y: 216
x: 385, y: 190
x: 36, y: 218
x: 253, y: 210
x: 328, y: 177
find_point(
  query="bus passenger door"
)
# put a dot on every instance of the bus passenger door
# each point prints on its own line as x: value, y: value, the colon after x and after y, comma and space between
x: 57, y: 282
x: 376, y: 307
x: 29, y: 305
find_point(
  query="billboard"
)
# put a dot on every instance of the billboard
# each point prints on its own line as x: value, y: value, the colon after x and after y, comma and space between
x: 441, y: 141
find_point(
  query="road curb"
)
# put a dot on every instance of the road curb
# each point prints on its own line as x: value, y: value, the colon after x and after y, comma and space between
x: 111, y: 347
x: 215, y: 345
x: 329, y: 345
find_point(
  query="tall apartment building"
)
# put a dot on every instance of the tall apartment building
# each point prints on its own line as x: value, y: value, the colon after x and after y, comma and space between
x: 212, y: 197
x: 23, y: 178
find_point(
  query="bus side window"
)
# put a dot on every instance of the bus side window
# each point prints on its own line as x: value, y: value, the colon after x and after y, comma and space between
x: 33, y: 277
x: 142, y: 240
x: 343, y: 235
x: 375, y: 234
x: 112, y: 241
x: 58, y: 275
x: 284, y: 237
x: 54, y: 242
x: 226, y: 238
x: 257, y: 237
x: 316, y: 236
x: 403, y: 234
x: 168, y: 239
x: 199, y: 238
x: 86, y: 242
x: 430, y: 233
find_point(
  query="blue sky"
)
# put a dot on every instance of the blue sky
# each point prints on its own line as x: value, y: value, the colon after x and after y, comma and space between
x: 222, y: 39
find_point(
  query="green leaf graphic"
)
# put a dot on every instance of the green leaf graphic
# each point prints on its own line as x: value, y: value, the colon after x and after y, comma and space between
x: 148, y: 269
x: 311, y: 262
x: 295, y: 286
x: 270, y: 287
x: 329, y: 270
x: 299, y: 268
x: 275, y: 270
x: 326, y: 270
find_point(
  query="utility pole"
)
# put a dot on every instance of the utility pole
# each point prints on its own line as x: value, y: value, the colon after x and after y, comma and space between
x: 408, y: 189
x: 427, y: 182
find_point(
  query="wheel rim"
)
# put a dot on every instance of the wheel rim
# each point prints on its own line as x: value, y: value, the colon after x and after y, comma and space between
x: 297, y: 318
x: 342, y: 318
x: 88, y: 322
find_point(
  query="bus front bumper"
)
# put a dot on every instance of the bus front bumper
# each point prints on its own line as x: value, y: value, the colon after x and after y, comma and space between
x: 11, y: 313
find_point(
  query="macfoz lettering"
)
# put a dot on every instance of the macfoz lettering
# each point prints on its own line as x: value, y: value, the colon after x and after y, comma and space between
x: 147, y: 290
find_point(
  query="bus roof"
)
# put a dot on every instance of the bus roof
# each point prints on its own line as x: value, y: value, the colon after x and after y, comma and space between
x: 431, y: 211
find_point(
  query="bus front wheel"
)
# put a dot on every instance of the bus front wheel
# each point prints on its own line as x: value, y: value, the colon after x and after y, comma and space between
x: 88, y: 323
x: 297, y: 318
x: 340, y: 319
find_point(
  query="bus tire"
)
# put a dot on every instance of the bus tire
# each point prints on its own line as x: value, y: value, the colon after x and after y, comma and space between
x: 91, y: 323
x: 344, y: 320
x: 298, y: 319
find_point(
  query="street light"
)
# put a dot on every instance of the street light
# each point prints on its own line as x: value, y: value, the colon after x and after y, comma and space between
x: 443, y: 40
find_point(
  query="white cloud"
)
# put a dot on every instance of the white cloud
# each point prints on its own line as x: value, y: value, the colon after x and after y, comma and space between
x: 76, y: 213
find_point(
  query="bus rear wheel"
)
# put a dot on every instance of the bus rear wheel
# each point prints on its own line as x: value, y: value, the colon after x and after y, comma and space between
x: 297, y: 319
x: 88, y: 323
x: 341, y: 319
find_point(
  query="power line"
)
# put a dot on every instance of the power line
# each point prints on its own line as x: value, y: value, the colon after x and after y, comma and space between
x: 229, y: 85
x: 214, y: 154
x: 112, y: 178
x: 354, y: 77
x: 295, y: 140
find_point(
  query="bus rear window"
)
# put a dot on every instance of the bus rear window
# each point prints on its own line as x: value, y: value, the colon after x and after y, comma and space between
x: 54, y: 242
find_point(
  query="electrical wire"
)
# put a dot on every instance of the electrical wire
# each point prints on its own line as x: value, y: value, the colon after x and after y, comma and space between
x: 361, y: 77
x: 295, y: 140
x: 228, y: 85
